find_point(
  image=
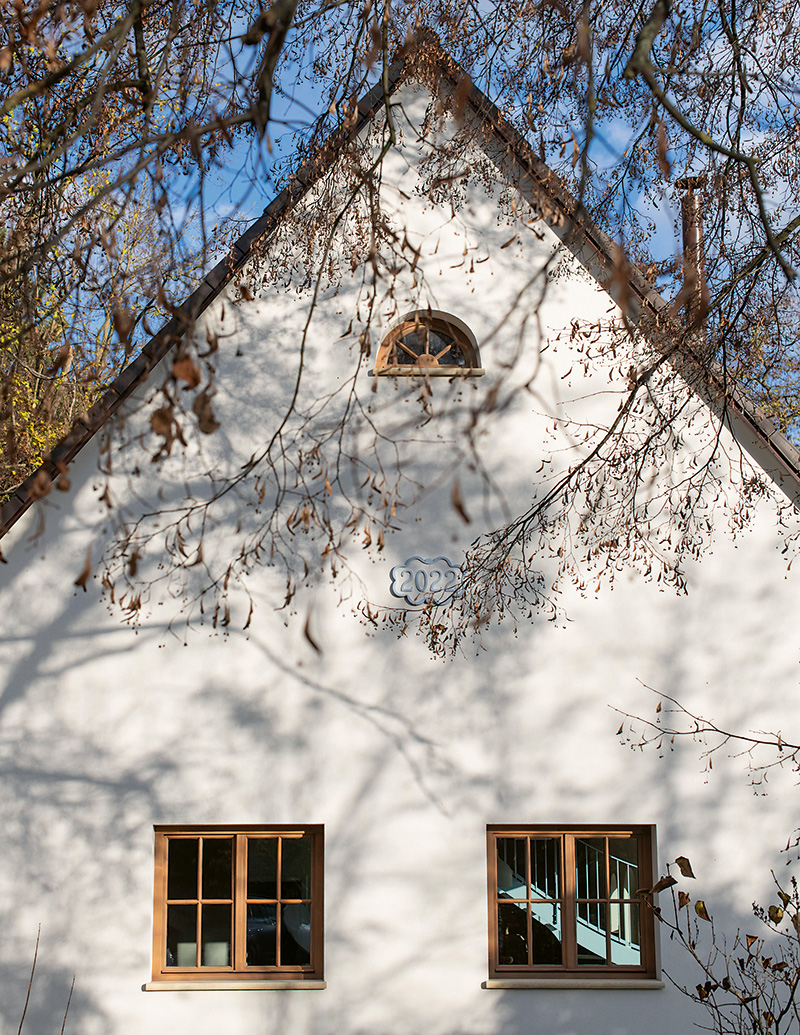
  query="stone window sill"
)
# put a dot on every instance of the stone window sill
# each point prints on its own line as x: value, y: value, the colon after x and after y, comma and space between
x: 592, y: 984
x: 231, y: 985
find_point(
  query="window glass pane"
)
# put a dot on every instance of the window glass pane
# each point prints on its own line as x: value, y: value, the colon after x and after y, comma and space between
x: 215, y: 948
x: 413, y: 343
x: 546, y: 932
x: 623, y: 920
x: 623, y: 867
x: 591, y: 924
x: 181, y: 936
x: 512, y: 934
x: 296, y: 867
x: 545, y: 855
x: 182, y: 868
x: 217, y: 867
x: 590, y: 867
x: 296, y: 934
x: 262, y: 926
x: 262, y: 867
x: 512, y: 867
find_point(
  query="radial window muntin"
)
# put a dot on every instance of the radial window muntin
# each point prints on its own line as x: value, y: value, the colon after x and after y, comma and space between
x: 428, y: 344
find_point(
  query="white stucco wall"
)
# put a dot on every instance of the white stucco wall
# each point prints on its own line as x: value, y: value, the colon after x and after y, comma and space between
x: 106, y: 730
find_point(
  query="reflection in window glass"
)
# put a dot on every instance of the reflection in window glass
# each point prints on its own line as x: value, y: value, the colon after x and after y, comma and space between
x: 546, y: 933
x: 568, y: 902
x: 295, y: 934
x: 623, y: 859
x: 512, y: 867
x: 591, y: 934
x: 590, y: 867
x: 625, y: 938
x: 262, y: 935
x: 512, y: 934
x: 295, y: 867
x: 545, y: 866
x: 262, y: 867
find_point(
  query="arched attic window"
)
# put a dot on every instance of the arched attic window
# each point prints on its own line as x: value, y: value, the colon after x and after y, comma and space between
x: 429, y: 344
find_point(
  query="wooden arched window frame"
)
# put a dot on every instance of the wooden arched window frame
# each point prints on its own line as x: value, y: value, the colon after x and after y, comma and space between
x: 429, y: 344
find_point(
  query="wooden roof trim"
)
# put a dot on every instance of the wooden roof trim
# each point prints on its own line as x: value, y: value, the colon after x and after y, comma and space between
x: 764, y: 428
x: 39, y: 483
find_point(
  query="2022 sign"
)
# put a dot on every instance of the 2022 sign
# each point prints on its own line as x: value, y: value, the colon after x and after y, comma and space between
x: 425, y: 580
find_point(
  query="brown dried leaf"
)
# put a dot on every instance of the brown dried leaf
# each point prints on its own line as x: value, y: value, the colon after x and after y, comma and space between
x: 42, y: 484
x: 308, y: 636
x: 684, y: 866
x: 683, y: 899
x: 700, y: 909
x: 123, y: 321
x: 185, y: 369
x: 662, y: 146
x: 463, y: 91
x: 662, y: 884
x: 83, y: 578
x: 206, y: 421
x: 133, y: 563
x: 161, y: 421
x: 458, y: 503
x: 62, y: 361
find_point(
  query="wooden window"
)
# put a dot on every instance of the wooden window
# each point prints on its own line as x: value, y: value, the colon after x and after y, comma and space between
x: 243, y: 903
x: 566, y: 902
x: 429, y: 344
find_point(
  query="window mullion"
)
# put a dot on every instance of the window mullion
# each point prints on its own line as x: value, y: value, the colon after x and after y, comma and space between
x: 607, y: 855
x: 528, y: 894
x: 278, y: 907
x: 199, y: 930
x: 570, y: 929
x: 240, y: 902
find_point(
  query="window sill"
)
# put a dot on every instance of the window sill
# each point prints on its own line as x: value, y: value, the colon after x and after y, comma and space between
x: 593, y: 984
x: 233, y: 984
x: 415, y: 371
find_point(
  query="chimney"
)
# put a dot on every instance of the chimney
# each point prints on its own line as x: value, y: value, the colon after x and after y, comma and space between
x: 694, y: 280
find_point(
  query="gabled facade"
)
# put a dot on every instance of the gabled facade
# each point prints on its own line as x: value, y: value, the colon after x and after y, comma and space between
x: 261, y: 808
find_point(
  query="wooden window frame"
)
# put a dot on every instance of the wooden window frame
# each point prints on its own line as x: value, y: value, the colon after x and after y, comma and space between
x: 238, y: 971
x: 442, y: 323
x: 569, y: 969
